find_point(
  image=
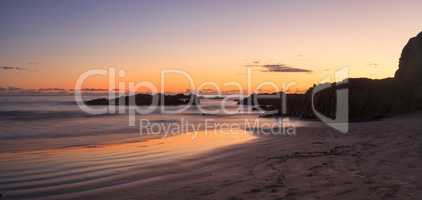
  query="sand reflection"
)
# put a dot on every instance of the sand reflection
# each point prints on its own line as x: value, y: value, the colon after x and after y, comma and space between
x: 55, y: 171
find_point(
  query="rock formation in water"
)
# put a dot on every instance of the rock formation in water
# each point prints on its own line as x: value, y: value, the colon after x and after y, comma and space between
x: 147, y: 99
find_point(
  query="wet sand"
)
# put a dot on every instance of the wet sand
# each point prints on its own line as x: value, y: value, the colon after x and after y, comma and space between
x: 73, y: 171
x: 376, y: 160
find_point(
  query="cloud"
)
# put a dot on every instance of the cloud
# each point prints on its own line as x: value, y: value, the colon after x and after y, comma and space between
x: 281, y: 68
x: 13, y: 68
x: 372, y: 64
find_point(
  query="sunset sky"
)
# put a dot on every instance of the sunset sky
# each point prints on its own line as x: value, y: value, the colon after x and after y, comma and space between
x: 48, y: 44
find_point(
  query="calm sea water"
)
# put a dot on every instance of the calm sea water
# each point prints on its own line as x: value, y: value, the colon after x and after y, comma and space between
x: 46, y: 117
x: 51, y: 149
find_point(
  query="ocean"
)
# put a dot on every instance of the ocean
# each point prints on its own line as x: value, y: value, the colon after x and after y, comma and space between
x: 48, y: 117
x: 51, y: 149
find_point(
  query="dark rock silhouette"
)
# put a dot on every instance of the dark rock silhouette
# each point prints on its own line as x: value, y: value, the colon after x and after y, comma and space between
x: 368, y: 99
x: 147, y: 99
x: 373, y: 99
x: 408, y: 76
x: 273, y: 103
x: 410, y: 66
x: 194, y: 100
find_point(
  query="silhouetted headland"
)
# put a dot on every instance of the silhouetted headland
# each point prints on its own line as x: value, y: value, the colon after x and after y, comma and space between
x: 368, y: 99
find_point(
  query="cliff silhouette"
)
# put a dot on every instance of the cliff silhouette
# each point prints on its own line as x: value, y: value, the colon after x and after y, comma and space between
x: 368, y: 99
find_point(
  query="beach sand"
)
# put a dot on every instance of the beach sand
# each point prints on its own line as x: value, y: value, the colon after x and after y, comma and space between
x: 375, y: 160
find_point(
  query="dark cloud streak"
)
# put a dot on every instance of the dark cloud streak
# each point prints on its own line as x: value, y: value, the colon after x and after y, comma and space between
x: 13, y: 68
x: 280, y: 68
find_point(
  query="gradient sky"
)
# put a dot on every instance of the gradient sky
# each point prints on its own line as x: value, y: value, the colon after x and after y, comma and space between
x: 49, y: 44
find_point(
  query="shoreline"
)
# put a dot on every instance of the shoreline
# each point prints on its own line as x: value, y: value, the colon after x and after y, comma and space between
x: 53, y: 173
x: 376, y: 160
x: 45, y: 143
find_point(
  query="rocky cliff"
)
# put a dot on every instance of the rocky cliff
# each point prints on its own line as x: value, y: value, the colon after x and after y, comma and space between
x: 368, y: 99
x: 373, y: 99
